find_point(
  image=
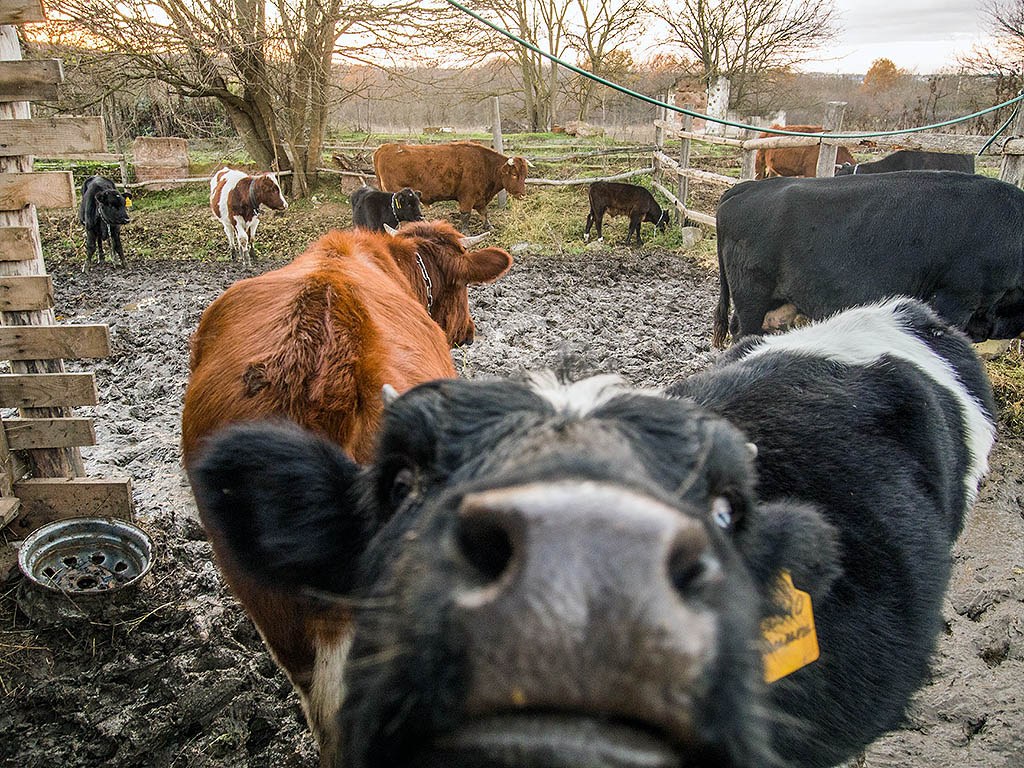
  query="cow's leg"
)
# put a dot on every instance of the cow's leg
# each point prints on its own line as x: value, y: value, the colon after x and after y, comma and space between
x: 115, y: 246
x: 230, y: 232
x: 483, y: 214
x: 99, y: 247
x: 253, y: 223
x: 90, y: 248
x: 590, y: 222
x: 242, y: 237
x: 599, y: 222
x: 634, y: 226
x: 953, y: 310
x: 751, y: 307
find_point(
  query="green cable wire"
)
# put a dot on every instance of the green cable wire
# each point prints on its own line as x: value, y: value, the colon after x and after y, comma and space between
x: 622, y: 89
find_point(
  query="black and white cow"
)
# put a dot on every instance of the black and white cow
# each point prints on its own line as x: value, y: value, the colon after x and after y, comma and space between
x: 103, y: 211
x: 910, y: 160
x: 373, y: 209
x: 822, y: 245
x: 569, y: 574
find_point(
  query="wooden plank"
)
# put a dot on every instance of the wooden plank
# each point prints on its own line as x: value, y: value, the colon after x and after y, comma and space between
x: 45, y: 499
x: 51, y: 342
x: 9, y: 508
x: 21, y: 11
x: 53, y: 189
x: 1012, y: 168
x: 16, y: 244
x: 60, y: 432
x: 683, y: 133
x: 19, y: 293
x: 701, y: 218
x: 45, y: 136
x: 30, y: 80
x: 6, y: 479
x: 43, y: 390
x: 88, y: 157
x: 826, y: 167
x: 683, y: 183
x: 570, y: 182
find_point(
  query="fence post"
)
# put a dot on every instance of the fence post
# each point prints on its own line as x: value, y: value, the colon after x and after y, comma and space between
x: 682, y: 182
x: 659, y: 140
x: 1012, y: 168
x: 827, y: 152
x: 748, y: 168
x: 499, y: 141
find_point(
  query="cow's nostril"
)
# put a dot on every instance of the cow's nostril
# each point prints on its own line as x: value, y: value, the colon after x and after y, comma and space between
x: 485, y: 544
x: 690, y: 564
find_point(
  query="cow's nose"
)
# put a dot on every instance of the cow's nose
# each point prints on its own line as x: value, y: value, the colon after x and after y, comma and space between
x: 576, y: 597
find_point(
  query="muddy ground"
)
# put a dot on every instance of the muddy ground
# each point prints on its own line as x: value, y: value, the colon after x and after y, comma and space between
x: 179, y: 677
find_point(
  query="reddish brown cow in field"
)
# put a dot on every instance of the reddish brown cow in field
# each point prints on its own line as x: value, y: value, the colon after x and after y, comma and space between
x: 793, y: 161
x: 315, y: 342
x: 462, y: 170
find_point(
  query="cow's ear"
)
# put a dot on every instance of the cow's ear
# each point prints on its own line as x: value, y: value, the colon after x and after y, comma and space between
x: 419, y: 195
x: 793, y: 537
x: 485, y: 265
x: 283, y: 504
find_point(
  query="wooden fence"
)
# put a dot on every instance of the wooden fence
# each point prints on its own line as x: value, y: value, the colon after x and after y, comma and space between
x: 41, y: 471
x: 1011, y: 149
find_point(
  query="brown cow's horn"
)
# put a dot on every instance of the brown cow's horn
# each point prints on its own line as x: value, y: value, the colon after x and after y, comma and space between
x: 751, y: 447
x: 529, y: 164
x: 390, y: 230
x: 469, y: 242
x: 511, y: 161
x: 388, y: 395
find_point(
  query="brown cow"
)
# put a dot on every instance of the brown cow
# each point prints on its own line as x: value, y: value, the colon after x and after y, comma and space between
x: 793, y: 161
x: 315, y: 342
x: 462, y: 170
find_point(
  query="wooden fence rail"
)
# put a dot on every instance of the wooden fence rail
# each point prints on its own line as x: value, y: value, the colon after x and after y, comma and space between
x: 1011, y: 149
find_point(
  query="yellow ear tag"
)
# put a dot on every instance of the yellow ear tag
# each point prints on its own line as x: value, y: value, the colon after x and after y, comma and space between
x: 127, y: 202
x: 790, y: 640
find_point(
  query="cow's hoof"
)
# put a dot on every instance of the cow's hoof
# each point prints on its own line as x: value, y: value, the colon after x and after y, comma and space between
x: 586, y: 238
x: 600, y: 239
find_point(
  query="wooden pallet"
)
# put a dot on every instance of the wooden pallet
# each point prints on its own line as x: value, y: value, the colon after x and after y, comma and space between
x: 41, y: 474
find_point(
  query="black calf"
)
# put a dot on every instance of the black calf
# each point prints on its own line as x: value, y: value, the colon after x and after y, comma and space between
x: 910, y: 160
x: 551, y: 574
x: 103, y: 211
x: 372, y: 209
x: 624, y: 200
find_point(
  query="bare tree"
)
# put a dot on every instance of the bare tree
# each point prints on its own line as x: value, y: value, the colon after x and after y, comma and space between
x: 268, y: 62
x: 1003, y: 59
x: 742, y: 39
x: 601, y: 30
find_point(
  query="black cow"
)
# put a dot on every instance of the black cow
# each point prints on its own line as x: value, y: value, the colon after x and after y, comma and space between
x: 952, y: 239
x: 624, y: 200
x: 910, y: 160
x: 564, y: 574
x: 372, y: 209
x: 103, y: 211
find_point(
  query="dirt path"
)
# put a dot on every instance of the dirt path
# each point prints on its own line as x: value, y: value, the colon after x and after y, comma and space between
x: 180, y: 678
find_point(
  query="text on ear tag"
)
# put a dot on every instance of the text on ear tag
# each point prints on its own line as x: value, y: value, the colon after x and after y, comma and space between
x: 790, y: 640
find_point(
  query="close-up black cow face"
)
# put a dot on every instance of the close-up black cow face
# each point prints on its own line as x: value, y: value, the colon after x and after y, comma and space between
x: 113, y: 207
x: 543, y: 574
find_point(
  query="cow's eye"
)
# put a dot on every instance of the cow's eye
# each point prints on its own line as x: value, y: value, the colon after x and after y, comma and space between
x: 721, y: 512
x: 401, y: 486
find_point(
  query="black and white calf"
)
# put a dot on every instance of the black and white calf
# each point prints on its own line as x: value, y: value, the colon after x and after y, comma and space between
x: 373, y: 209
x: 103, y: 211
x: 553, y: 574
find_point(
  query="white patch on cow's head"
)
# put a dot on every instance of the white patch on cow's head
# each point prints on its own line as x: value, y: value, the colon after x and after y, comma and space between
x: 863, y: 336
x: 283, y: 204
x: 511, y: 161
x: 327, y: 693
x: 578, y: 398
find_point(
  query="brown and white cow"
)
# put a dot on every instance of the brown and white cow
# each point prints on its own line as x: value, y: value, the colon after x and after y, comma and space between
x: 793, y: 161
x: 314, y: 343
x: 235, y: 198
x: 462, y: 170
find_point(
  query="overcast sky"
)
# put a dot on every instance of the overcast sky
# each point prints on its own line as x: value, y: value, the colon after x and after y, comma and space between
x: 921, y: 35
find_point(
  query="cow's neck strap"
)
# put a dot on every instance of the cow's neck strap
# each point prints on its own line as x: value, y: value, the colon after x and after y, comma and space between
x: 426, y: 282
x: 855, y: 169
x: 664, y: 215
x: 394, y: 209
x: 252, y: 197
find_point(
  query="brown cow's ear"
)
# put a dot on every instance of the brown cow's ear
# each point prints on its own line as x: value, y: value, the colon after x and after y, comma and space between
x: 486, y: 265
